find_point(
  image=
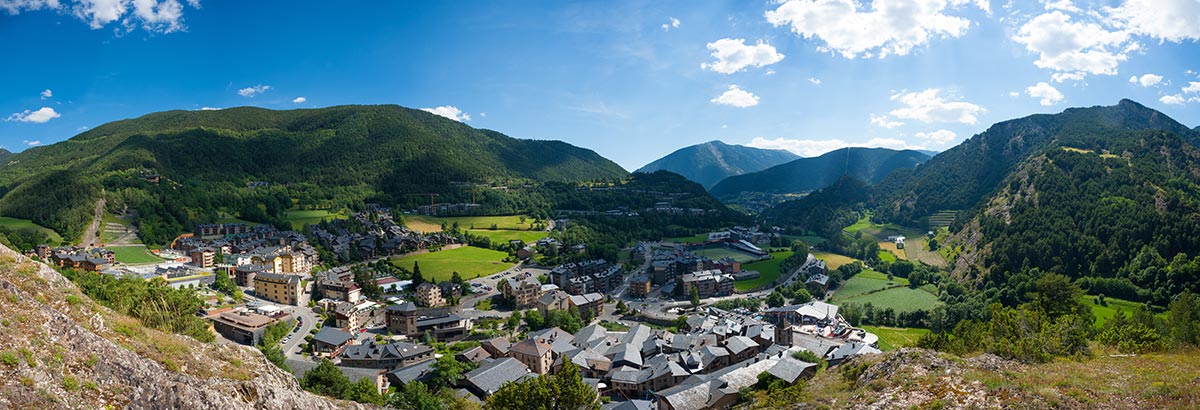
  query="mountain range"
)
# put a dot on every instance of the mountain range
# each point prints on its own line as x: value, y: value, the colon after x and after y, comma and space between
x: 808, y: 174
x: 713, y: 161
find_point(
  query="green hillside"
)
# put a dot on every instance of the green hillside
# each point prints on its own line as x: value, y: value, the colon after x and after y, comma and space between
x: 810, y: 174
x: 710, y: 162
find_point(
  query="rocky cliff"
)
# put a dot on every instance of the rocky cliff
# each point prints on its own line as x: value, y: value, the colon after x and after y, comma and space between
x: 60, y: 349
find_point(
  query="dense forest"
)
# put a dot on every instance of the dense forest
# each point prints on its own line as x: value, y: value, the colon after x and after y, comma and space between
x: 179, y: 168
x: 808, y: 174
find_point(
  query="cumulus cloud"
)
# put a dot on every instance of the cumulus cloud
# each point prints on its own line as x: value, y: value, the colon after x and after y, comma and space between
x: 736, y: 97
x: 449, y: 111
x: 1192, y: 87
x: 1064, y: 5
x: 1146, y: 80
x: 47, y: 94
x: 814, y: 80
x: 251, y: 92
x: 1169, y: 20
x: 209, y: 108
x: 32, y: 143
x: 39, y: 116
x: 1073, y: 49
x: 939, y: 137
x: 881, y: 29
x: 812, y: 148
x: 1173, y: 99
x: 156, y: 16
x: 734, y: 55
x: 884, y: 121
x: 1046, y: 92
x: 18, y: 6
x: 929, y: 106
x: 670, y: 24
x: 299, y: 100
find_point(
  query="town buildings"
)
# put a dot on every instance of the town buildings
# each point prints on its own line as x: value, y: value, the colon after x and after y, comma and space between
x: 278, y: 288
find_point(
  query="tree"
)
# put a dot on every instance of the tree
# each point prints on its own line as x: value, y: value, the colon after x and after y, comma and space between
x: 902, y: 268
x: 775, y: 299
x: 621, y: 306
x: 415, y: 396
x: 695, y: 297
x: 363, y: 391
x: 514, y: 321
x: 325, y: 379
x: 457, y: 279
x: 1056, y: 296
x: 534, y: 320
x: 446, y: 372
x: 801, y: 297
x: 416, y: 275
x: 565, y: 390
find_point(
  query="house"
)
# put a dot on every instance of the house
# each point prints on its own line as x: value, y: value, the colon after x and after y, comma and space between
x: 707, y: 283
x: 491, y: 375
x: 497, y: 347
x: 429, y: 295
x: 590, y: 305
x: 475, y: 354
x: 420, y: 372
x: 354, y: 316
x: 402, y: 318
x: 553, y: 300
x: 444, y: 326
x: 524, y: 253
x: 385, y: 356
x: 330, y: 341
x: 332, y: 287
x: 639, y: 286
x: 244, y: 327
x: 278, y: 288
x: 522, y: 293
x: 534, y: 354
x: 244, y: 275
x: 203, y: 258
x: 450, y: 290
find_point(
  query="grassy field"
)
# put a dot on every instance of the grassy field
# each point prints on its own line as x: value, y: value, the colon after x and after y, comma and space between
x: 863, y: 283
x: 768, y: 270
x: 14, y: 223
x: 307, y: 217
x: 470, y: 262
x: 426, y: 223
x: 1104, y: 313
x: 891, y: 338
x: 887, y: 256
x: 863, y: 223
x: 700, y: 237
x: 134, y: 254
x: 874, y: 288
x: 716, y: 253
x: 504, y: 236
x: 833, y: 260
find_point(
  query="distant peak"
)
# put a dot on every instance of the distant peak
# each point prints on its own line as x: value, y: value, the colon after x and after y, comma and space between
x: 1129, y: 104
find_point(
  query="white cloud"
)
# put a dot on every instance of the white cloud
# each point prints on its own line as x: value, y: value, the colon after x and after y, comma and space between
x: 814, y: 80
x: 1192, y: 87
x: 1014, y: 94
x: 1046, y: 92
x: 156, y: 16
x: 884, y: 121
x: 250, y: 92
x: 209, y: 108
x: 939, y: 137
x: 670, y: 24
x: 812, y: 148
x: 449, y: 111
x: 928, y: 107
x: 1064, y: 5
x: 483, y: 115
x: 1073, y: 48
x: 1146, y: 80
x: 769, y: 71
x: 40, y: 116
x: 33, y: 143
x: 889, y: 27
x: 734, y: 55
x: 736, y: 97
x: 1172, y: 99
x: 83, y: 128
x: 47, y: 94
x: 299, y: 100
x: 1170, y: 20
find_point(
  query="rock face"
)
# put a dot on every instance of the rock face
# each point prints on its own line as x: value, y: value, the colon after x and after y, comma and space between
x: 60, y: 349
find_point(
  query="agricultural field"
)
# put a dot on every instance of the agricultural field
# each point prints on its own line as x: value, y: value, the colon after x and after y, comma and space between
x: 427, y: 224
x: 833, y: 260
x: 719, y: 252
x: 134, y: 255
x: 299, y: 218
x: 887, y: 256
x: 768, y: 271
x: 866, y: 282
x: 873, y: 287
x: 892, y: 338
x: 1104, y: 313
x: 942, y: 219
x: 470, y: 262
x: 503, y: 236
x: 15, y: 223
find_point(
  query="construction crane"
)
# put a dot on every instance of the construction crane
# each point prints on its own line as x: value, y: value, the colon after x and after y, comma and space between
x: 432, y: 209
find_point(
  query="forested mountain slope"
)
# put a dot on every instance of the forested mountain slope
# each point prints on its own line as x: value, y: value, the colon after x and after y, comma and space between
x: 710, y: 162
x: 808, y: 174
x: 241, y: 159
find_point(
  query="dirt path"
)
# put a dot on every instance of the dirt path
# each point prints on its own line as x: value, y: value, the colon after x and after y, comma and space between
x: 92, y: 235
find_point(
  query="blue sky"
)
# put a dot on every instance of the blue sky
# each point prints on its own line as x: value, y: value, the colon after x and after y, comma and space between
x: 630, y: 80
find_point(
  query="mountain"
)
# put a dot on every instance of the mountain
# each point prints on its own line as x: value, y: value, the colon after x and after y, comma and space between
x: 808, y: 174
x: 930, y: 153
x: 76, y: 353
x: 240, y: 159
x: 713, y: 161
x: 1106, y: 195
x: 4, y: 154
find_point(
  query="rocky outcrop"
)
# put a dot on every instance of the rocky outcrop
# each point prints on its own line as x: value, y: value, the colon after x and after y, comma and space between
x: 59, y: 349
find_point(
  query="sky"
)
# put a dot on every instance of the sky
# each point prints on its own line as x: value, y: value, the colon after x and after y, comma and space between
x: 632, y: 80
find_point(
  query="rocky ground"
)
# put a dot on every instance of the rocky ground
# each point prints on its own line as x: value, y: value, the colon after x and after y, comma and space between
x: 60, y: 349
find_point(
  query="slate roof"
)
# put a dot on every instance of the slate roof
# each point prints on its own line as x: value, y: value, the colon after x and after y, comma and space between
x: 789, y: 369
x: 403, y: 307
x: 492, y: 374
x: 531, y: 347
x: 332, y: 336
x: 739, y: 344
x: 417, y: 372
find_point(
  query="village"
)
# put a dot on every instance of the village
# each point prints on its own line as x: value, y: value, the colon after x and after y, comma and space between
x: 633, y: 333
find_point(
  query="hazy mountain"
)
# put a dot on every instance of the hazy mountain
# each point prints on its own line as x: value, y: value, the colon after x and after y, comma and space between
x: 808, y: 174
x: 713, y: 161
